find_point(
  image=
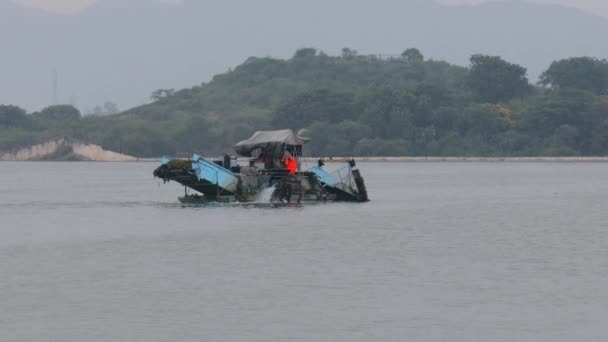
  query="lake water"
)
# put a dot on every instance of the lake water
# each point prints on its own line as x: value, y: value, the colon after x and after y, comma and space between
x: 444, y: 252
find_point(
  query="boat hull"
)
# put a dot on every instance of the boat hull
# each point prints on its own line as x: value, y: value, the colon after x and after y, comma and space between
x: 250, y: 184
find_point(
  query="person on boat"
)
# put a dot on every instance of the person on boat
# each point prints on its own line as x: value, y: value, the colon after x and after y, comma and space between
x: 290, y: 163
x: 284, y: 189
x: 266, y: 158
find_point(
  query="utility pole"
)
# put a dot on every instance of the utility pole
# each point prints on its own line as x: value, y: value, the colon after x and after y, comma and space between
x: 55, y: 85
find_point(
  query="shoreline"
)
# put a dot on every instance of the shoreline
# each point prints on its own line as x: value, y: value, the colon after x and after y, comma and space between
x: 387, y: 160
x: 465, y: 159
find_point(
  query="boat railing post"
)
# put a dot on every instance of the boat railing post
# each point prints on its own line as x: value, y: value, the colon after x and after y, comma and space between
x: 217, y: 184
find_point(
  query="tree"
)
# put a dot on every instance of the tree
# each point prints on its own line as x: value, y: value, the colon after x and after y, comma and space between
x: 546, y: 113
x: 97, y: 110
x: 412, y: 55
x: 318, y: 105
x: 110, y: 108
x: 492, y: 79
x: 482, y: 120
x: 348, y: 53
x: 11, y: 116
x: 161, y: 94
x: 60, y: 113
x: 386, y: 111
x: 596, y: 129
x: 305, y: 53
x: 585, y: 73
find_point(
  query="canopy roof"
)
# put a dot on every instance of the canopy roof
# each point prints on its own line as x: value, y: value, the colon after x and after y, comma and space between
x: 269, y: 142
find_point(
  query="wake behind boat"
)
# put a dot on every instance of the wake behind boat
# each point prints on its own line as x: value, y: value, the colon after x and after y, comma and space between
x: 272, y: 171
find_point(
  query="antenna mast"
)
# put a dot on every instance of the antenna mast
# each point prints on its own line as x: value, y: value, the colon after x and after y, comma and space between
x: 55, y: 85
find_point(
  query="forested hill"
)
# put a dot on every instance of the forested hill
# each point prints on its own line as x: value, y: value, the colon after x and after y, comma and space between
x: 356, y: 104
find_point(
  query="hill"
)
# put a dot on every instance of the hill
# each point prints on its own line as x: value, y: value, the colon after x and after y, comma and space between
x: 154, y: 45
x: 355, y: 104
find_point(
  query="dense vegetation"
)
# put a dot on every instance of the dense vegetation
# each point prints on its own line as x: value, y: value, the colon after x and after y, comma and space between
x: 355, y: 105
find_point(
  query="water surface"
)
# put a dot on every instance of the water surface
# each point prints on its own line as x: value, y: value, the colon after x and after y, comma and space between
x: 444, y: 252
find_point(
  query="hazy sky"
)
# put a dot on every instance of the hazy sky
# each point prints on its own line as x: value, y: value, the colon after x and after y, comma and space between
x: 150, y: 58
x: 594, y: 6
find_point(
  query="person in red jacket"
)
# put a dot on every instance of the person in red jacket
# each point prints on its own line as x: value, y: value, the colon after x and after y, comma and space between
x: 290, y: 164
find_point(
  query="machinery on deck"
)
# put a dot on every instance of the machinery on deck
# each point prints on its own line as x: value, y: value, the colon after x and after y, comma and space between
x: 265, y: 177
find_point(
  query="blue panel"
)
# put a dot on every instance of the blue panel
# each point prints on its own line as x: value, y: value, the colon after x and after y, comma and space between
x: 323, y: 176
x: 165, y: 160
x: 213, y: 173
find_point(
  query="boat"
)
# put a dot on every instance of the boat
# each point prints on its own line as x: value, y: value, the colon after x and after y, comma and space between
x: 267, y: 168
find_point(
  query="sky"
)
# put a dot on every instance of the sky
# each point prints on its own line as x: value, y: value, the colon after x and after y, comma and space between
x: 599, y: 7
x: 150, y: 58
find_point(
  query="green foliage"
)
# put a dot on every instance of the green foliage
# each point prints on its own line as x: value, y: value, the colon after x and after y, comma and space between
x: 349, y: 54
x: 59, y: 113
x: 582, y: 73
x: 352, y: 104
x: 547, y: 112
x: 318, y: 105
x: 65, y: 153
x: 160, y: 94
x: 13, y: 139
x: 493, y: 80
x: 305, y: 53
x: 12, y: 116
x: 367, y: 147
x: 412, y: 55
